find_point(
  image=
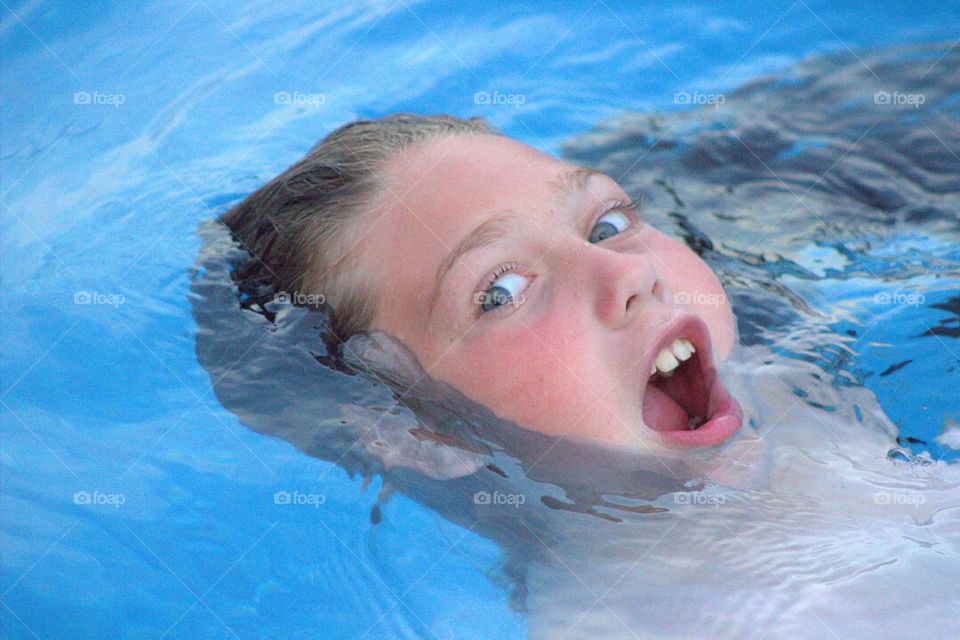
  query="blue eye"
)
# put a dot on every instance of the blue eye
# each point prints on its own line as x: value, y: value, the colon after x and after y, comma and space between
x: 501, y: 291
x: 605, y: 228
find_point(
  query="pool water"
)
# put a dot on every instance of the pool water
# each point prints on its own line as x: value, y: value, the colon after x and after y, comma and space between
x: 139, y: 497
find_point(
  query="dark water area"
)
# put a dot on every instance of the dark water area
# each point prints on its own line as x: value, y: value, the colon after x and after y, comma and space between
x: 827, y: 197
x: 827, y: 201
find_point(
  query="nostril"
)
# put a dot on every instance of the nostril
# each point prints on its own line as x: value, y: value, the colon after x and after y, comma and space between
x: 657, y: 290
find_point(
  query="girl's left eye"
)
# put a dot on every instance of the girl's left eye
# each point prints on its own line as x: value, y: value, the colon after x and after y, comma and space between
x: 609, y: 224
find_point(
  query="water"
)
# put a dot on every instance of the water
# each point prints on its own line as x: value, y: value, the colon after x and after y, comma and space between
x: 140, y: 501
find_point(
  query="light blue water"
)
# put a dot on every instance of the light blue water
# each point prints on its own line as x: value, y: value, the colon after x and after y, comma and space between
x: 106, y: 401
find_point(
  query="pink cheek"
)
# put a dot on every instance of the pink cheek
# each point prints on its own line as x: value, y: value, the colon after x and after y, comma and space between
x: 511, y: 392
x: 716, y: 310
x: 688, y: 272
x: 518, y: 372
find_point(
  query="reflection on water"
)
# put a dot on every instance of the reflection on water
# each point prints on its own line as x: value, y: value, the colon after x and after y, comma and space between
x: 827, y: 201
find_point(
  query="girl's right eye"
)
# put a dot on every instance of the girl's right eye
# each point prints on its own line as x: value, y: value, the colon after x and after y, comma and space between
x: 505, y: 290
x: 500, y: 290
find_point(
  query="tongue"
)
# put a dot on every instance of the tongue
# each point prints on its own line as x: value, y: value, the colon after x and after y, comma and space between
x: 661, y: 412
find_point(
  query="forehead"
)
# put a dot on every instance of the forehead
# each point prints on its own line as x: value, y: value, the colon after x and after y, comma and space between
x: 475, y: 171
x: 436, y: 192
x: 433, y: 194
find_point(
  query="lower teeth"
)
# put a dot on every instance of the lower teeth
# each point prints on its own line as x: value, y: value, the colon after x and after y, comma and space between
x: 695, y: 421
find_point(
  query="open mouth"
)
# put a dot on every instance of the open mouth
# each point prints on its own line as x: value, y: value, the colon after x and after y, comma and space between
x: 683, y: 400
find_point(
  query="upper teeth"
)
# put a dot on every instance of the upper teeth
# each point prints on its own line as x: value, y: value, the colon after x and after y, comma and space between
x: 670, y: 358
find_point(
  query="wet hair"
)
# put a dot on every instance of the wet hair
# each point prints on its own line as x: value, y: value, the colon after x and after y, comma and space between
x: 301, y: 228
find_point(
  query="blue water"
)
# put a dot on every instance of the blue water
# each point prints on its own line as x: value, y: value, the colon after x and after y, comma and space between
x: 104, y: 402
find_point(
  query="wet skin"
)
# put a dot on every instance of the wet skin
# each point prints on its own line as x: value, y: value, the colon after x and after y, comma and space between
x: 559, y: 343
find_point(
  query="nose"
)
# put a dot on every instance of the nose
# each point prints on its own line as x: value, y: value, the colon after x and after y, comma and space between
x: 619, y: 285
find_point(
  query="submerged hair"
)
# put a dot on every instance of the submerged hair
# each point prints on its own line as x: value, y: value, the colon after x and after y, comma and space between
x: 301, y: 228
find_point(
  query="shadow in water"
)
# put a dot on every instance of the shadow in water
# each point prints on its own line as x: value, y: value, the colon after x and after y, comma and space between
x: 790, y: 183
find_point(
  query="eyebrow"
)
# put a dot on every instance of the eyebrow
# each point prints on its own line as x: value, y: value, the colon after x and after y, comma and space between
x: 502, y: 224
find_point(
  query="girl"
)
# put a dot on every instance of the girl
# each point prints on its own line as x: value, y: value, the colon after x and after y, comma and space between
x: 553, y: 372
x: 532, y: 285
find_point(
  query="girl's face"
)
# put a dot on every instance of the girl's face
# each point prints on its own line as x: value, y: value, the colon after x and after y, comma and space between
x: 533, y: 287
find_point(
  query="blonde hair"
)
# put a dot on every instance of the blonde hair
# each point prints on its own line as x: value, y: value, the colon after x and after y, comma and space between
x: 299, y: 227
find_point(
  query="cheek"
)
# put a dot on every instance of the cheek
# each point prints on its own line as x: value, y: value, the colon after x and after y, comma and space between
x: 693, y: 284
x: 521, y: 373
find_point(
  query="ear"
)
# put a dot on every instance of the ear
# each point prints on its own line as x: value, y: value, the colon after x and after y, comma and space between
x: 399, y: 440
